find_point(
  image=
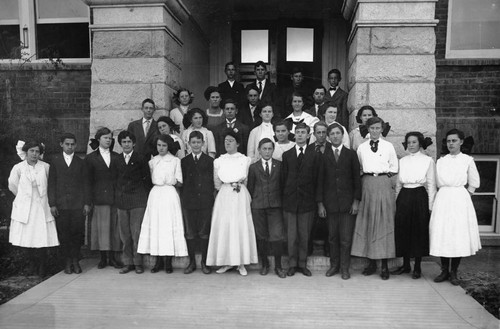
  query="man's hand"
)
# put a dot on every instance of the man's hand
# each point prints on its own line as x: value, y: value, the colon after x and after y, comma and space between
x: 86, y: 210
x: 354, y: 207
x: 54, y: 211
x: 321, y: 210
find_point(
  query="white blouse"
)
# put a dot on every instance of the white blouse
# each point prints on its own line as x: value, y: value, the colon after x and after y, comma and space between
x: 415, y: 170
x: 457, y: 171
x: 279, y: 149
x: 208, y: 140
x: 383, y: 161
x: 308, y: 120
x: 231, y: 168
x: 264, y: 130
x: 165, y: 170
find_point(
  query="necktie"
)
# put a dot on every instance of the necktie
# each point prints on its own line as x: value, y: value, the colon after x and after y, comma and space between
x: 301, y: 155
x: 127, y: 158
x: 260, y: 88
x: 230, y: 125
x: 196, y: 159
x: 318, y: 147
x: 267, y: 168
x: 374, y: 146
x: 148, y: 125
x: 336, y: 154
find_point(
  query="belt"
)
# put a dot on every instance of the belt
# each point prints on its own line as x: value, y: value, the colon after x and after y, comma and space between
x: 376, y: 174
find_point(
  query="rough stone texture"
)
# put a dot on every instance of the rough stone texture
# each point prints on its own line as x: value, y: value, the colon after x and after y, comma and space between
x: 360, y: 44
x: 389, y: 68
x: 410, y: 40
x: 405, y: 120
x: 392, y: 10
x: 402, y: 95
x: 127, y: 96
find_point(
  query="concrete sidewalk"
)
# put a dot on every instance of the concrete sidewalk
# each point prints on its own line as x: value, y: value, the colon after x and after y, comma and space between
x: 106, y: 299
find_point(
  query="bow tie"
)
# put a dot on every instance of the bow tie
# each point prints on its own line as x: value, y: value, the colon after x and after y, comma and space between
x: 332, y: 88
x: 374, y: 146
x: 297, y: 122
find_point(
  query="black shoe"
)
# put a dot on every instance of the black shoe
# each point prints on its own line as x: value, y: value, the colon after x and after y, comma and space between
x: 139, y: 269
x: 332, y: 271
x: 280, y: 272
x: 305, y: 271
x: 205, y: 269
x: 346, y: 275
x: 291, y: 271
x: 416, y: 274
x: 369, y: 270
x: 454, y: 278
x: 190, y: 268
x: 115, y: 263
x: 384, y: 274
x: 400, y: 270
x: 264, y: 270
x: 445, y: 274
x: 68, y: 268
x: 126, y: 269
x: 102, y: 264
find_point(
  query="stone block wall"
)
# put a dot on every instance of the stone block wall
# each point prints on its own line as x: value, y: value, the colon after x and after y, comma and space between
x: 466, y: 90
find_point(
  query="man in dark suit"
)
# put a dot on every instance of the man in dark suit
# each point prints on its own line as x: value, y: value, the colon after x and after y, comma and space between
x: 267, y: 89
x: 319, y: 107
x: 197, y: 200
x: 299, y: 174
x: 297, y: 86
x: 338, y: 97
x: 249, y: 111
x: 338, y: 195
x: 69, y: 200
x: 131, y: 196
x: 230, y: 112
x: 264, y: 185
x: 231, y: 88
x: 145, y: 130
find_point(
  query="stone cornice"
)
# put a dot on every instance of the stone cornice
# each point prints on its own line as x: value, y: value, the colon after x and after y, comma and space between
x: 391, y: 23
x: 349, y: 7
x: 135, y: 27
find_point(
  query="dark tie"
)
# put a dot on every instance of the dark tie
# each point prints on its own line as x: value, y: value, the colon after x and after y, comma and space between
x: 336, y: 154
x: 331, y: 88
x: 260, y: 88
x: 267, y: 168
x: 374, y: 146
x: 301, y: 155
x: 195, y: 159
x: 318, y: 147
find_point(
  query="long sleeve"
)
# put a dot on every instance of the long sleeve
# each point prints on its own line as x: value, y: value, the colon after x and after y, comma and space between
x: 14, y: 176
x: 52, y: 183
x: 178, y: 170
x: 431, y: 183
x: 399, y: 185
x: 217, y: 180
x: 473, y: 180
x: 251, y: 181
x: 210, y: 143
x: 252, y: 139
x: 393, y: 160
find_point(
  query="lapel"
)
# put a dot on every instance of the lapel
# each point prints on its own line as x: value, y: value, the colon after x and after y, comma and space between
x: 100, y: 159
x: 329, y: 154
x: 151, y: 129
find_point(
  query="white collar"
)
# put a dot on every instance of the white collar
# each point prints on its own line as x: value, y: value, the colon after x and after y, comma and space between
x: 129, y: 155
x: 103, y: 151
x: 297, y: 147
x: 144, y: 120
x: 270, y: 161
x: 68, y: 156
x: 338, y: 148
x: 232, y: 121
x: 197, y: 155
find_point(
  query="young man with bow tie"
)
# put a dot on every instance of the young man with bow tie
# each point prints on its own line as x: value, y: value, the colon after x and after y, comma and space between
x: 338, y: 97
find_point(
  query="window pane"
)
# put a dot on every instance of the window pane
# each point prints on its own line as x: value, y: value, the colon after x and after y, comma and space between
x: 63, y: 40
x: 254, y: 46
x: 488, y: 174
x: 10, y: 9
x: 475, y: 25
x: 484, y: 208
x: 61, y: 9
x: 299, y: 45
x: 10, y: 44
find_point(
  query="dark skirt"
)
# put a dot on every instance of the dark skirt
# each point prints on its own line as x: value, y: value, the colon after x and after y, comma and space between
x: 412, y: 223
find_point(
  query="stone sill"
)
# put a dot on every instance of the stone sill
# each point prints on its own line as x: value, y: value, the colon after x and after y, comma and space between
x: 467, y: 62
x: 490, y: 239
x: 43, y: 66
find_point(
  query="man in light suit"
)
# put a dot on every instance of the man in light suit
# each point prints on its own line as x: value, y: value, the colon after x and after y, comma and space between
x: 337, y: 97
x: 230, y: 112
x: 264, y: 185
x: 145, y: 130
x: 69, y: 200
x: 267, y: 89
x: 338, y: 194
x: 231, y: 88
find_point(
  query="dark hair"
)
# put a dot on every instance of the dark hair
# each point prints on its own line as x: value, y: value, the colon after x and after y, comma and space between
x: 302, y: 125
x: 296, y: 69
x: 124, y: 134
x: 230, y: 132
x: 374, y: 120
x: 319, y: 124
x: 363, y: 108
x: 195, y: 134
x: 230, y: 101
x: 177, y: 96
x: 422, y: 141
x: 333, y: 126
x: 170, y: 123
x: 101, y: 132
x: 319, y: 87
x: 297, y: 94
x: 264, y: 141
x: 33, y: 143
x: 457, y: 132
x: 209, y: 91
x: 260, y: 63
x: 285, y: 123
x: 229, y: 63
x: 67, y: 136
x: 336, y: 72
x: 186, y: 121
x: 148, y: 100
x: 251, y: 87
x: 173, y: 147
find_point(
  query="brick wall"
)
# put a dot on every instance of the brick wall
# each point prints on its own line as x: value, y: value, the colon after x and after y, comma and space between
x: 466, y: 90
x: 54, y: 98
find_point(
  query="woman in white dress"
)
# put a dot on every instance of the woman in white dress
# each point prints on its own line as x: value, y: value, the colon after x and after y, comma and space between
x: 196, y: 120
x: 453, y: 227
x: 162, y: 230
x: 364, y: 113
x: 32, y: 225
x: 283, y: 143
x: 182, y: 98
x: 415, y: 192
x: 264, y: 130
x: 167, y: 126
x: 232, y: 236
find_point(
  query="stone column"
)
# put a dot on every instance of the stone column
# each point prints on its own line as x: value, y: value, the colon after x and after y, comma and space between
x: 136, y: 54
x: 391, y: 64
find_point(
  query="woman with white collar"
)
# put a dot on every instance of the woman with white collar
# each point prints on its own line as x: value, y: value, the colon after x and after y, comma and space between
x: 32, y: 225
x: 264, y: 130
x: 298, y: 115
x: 330, y: 117
x: 183, y: 98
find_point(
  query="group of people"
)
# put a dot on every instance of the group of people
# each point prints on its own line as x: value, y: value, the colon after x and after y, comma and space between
x: 165, y: 195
